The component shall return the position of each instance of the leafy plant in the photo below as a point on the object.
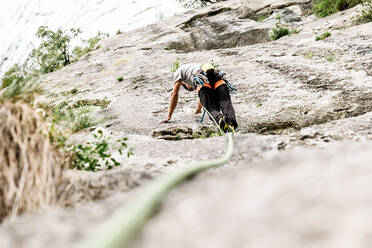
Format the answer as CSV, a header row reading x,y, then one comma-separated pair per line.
x,y
279,18
309,55
323,36
56,137
22,90
323,8
54,50
366,12
90,45
78,118
15,74
294,31
83,121
262,17
97,155
120,79
279,32
331,57
176,65
206,132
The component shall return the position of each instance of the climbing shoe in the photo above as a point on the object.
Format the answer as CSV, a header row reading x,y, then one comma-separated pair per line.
x,y
222,123
229,129
225,127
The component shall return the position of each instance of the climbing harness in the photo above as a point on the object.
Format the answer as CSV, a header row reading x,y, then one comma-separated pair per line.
x,y
119,230
201,79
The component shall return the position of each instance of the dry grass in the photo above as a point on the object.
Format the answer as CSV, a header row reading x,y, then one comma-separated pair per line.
x,y
30,167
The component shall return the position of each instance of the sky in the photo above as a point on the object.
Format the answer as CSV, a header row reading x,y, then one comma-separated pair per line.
x,y
20,19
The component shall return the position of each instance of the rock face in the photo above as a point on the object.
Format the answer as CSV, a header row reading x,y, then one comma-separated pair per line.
x,y
300,170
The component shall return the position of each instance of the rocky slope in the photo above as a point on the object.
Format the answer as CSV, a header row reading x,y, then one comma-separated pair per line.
x,y
300,170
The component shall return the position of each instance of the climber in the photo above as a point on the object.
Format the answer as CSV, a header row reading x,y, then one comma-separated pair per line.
x,y
213,92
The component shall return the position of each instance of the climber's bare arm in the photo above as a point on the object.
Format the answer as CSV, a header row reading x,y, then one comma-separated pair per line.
x,y
173,101
198,109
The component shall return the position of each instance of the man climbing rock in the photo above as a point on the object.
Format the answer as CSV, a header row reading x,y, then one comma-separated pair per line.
x,y
213,91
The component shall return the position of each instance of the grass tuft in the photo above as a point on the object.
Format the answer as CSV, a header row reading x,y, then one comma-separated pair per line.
x,y
323,36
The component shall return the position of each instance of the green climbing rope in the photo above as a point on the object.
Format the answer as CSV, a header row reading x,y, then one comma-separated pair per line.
x,y
123,225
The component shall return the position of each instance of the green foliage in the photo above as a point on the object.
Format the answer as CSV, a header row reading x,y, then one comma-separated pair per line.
x,y
77,118
90,45
309,55
279,32
279,18
120,79
196,3
83,121
56,137
54,50
294,31
323,36
19,85
15,74
176,65
21,90
97,155
323,8
331,57
206,132
262,17
366,12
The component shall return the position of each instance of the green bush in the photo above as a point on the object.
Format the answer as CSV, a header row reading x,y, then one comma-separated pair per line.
x,y
279,32
97,155
15,74
78,118
294,31
54,52
83,121
262,17
176,65
120,79
366,12
323,8
90,45
22,90
323,36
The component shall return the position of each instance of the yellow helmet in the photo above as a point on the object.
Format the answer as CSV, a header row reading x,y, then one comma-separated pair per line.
x,y
207,66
